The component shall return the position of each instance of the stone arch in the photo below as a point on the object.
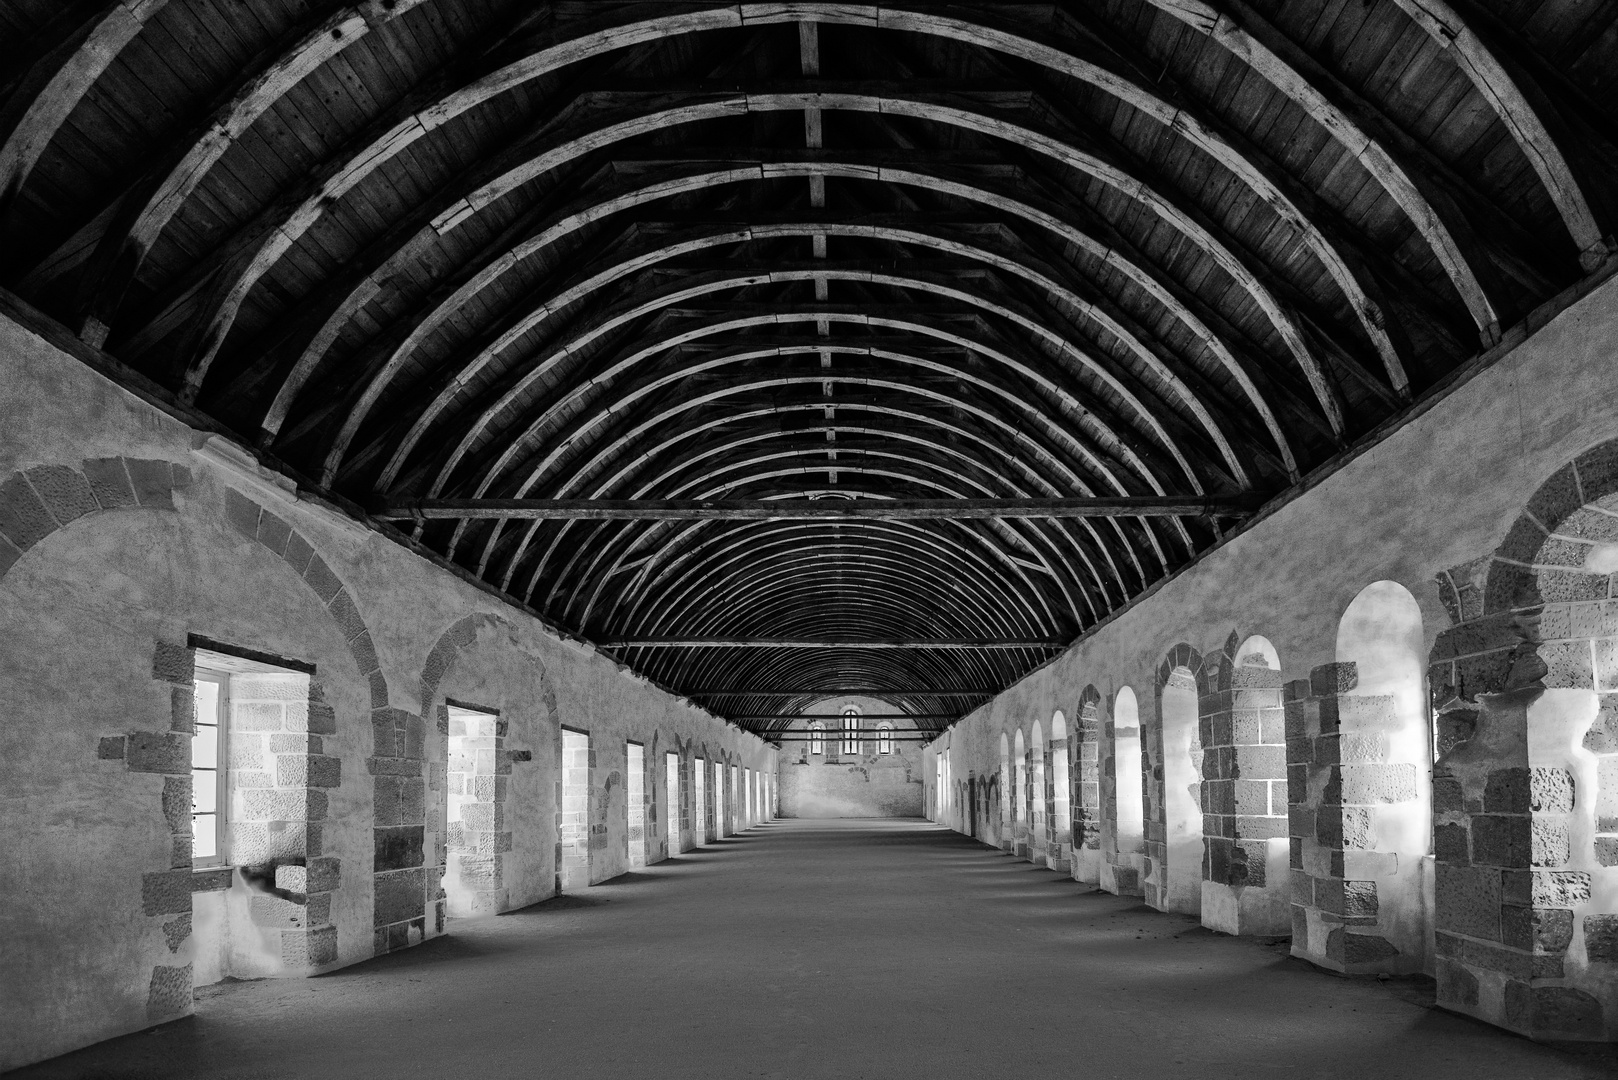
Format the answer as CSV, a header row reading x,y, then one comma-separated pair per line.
x,y
1524,691
35,502
1359,755
470,852
1173,747
1245,827
1123,778
1061,788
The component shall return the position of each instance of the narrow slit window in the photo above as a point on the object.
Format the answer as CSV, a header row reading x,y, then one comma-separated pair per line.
x,y
817,738
207,778
884,738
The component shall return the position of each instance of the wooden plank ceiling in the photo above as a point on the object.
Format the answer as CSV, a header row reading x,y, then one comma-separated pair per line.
x,y
491,249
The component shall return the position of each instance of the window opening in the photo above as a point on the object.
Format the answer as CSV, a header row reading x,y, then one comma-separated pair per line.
x,y
851,731
672,769
635,793
884,738
575,868
207,778
699,827
718,798
817,737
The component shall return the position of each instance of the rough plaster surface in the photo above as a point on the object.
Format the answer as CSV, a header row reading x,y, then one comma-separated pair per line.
x,y
82,613
829,949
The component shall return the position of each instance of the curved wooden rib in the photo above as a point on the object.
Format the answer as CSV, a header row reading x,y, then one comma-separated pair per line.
x,y
1446,27
152,202
45,98
1031,453
1106,253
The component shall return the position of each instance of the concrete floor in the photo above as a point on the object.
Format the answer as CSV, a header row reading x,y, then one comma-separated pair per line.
x,y
828,949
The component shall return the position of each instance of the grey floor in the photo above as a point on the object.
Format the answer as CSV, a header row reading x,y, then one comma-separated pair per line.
x,y
829,949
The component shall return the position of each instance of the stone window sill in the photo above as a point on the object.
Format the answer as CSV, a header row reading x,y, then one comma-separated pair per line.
x,y
211,878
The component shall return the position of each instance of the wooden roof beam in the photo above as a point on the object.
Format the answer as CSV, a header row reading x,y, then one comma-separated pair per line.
x,y
1234,507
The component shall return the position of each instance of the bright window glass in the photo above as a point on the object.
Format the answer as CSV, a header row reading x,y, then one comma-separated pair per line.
x,y
205,772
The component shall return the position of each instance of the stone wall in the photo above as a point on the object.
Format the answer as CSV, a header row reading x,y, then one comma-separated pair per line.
x,y
1478,536
838,785
127,539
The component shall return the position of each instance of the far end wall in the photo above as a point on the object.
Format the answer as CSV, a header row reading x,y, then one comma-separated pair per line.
x,y
834,784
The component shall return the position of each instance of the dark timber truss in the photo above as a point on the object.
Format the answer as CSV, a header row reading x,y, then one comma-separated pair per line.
x,y
496,268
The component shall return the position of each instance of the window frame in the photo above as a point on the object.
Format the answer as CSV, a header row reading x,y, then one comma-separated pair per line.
x,y
850,735
884,738
220,770
817,738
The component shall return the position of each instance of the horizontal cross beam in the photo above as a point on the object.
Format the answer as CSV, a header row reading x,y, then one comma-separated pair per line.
x,y
813,510
835,692
774,643
834,716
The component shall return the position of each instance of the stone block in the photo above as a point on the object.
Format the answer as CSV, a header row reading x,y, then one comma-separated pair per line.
x,y
1446,795
1607,850
1359,785
309,948
109,482
1568,664
393,766
174,663
323,874
169,993
400,895
397,847
1450,844
1260,762
111,748
295,743
24,519
1363,948
312,770
65,492
283,804
1468,901
320,718
298,552
1359,899
1600,938
364,651
177,803
1456,985
1571,586
1260,828
1560,888
320,578
482,873
166,892
1329,679
347,618
1300,820
158,752
153,482
1483,674
273,533
1551,843
1547,1010
1501,840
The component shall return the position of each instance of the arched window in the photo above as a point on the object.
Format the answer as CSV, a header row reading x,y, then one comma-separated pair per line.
x,y
851,730
817,737
884,738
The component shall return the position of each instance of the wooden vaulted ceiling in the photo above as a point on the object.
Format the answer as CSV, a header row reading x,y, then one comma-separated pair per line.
x,y
594,250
